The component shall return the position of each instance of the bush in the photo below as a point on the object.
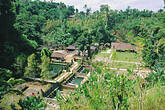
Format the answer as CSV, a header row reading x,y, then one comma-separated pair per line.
x,y
13,81
152,98
154,77
31,103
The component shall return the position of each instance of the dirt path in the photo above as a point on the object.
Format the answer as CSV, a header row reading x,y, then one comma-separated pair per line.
x,y
133,70
108,60
126,62
141,73
109,51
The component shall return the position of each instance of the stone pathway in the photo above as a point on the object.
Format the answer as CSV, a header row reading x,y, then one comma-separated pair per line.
x,y
126,62
62,77
110,56
133,70
109,51
67,74
141,73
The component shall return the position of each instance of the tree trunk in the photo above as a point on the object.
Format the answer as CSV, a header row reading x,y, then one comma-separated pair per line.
x,y
89,52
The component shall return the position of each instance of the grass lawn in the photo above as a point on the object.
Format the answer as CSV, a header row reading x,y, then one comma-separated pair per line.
x,y
126,56
122,65
103,54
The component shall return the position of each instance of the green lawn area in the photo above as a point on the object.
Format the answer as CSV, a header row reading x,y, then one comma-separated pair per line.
x,y
126,56
103,54
122,65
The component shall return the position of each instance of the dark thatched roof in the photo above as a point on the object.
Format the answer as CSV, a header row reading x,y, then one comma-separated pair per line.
x,y
59,54
122,46
71,47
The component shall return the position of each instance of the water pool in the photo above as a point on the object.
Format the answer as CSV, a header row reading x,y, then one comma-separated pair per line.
x,y
77,80
56,68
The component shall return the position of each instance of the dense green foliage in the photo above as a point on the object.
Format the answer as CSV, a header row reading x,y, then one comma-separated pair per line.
x,y
111,91
45,67
12,43
25,25
31,103
33,15
35,23
46,51
4,75
7,82
19,65
32,69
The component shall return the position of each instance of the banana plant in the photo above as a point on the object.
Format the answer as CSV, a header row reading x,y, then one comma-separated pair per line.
x,y
32,103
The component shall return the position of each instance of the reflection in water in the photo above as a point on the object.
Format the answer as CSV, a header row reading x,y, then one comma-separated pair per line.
x,y
74,81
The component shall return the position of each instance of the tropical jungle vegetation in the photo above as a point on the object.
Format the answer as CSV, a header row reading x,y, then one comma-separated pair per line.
x,y
26,25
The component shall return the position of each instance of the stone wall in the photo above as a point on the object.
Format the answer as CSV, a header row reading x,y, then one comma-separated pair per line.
x,y
51,89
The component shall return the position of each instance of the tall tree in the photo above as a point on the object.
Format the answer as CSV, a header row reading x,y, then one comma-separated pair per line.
x,y
32,69
45,67
105,9
7,33
153,53
84,42
12,42
87,10
19,65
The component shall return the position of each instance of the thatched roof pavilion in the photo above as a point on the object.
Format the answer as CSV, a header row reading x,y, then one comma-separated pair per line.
x,y
122,46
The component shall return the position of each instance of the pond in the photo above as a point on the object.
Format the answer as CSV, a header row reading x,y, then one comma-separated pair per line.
x,y
56,68
76,81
